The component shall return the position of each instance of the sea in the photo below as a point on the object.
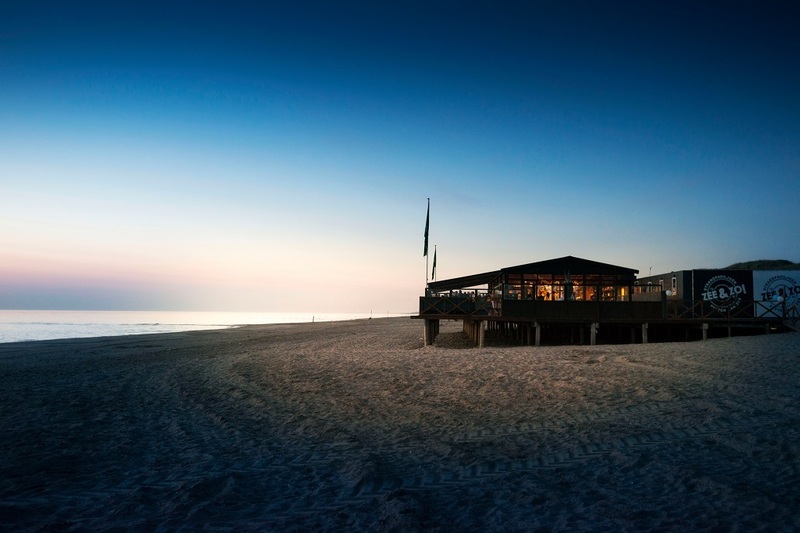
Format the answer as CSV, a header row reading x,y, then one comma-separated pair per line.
x,y
17,326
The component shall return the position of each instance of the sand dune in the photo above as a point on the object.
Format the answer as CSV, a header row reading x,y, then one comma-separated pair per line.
x,y
357,426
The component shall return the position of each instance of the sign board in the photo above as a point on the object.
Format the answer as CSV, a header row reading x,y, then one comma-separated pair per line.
x,y
724,290
776,286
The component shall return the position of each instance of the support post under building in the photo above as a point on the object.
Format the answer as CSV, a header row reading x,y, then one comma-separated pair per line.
x,y
430,330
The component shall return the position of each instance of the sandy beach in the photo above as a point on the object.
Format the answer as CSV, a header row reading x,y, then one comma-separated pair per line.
x,y
358,426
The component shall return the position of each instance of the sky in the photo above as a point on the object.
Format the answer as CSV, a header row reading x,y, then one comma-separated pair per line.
x,y
278,156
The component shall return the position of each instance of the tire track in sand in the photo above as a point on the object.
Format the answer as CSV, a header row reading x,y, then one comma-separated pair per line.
x,y
565,458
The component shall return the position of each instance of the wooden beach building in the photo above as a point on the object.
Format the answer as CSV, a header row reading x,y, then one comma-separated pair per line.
x,y
569,300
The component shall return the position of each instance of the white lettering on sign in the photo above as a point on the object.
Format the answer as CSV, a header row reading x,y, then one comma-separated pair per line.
x,y
723,292
781,286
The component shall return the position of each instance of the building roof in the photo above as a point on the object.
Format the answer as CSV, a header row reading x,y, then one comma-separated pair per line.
x,y
573,265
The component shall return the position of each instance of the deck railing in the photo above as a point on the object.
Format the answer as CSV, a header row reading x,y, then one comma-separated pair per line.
x,y
477,303
459,304
746,310
466,305
791,317
583,311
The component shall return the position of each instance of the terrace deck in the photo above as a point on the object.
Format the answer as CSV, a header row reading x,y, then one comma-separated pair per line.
x,y
526,320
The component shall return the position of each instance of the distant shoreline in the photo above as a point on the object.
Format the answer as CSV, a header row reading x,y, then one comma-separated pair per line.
x,y
27,325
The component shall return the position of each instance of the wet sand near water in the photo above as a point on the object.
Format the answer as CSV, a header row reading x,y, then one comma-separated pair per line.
x,y
358,426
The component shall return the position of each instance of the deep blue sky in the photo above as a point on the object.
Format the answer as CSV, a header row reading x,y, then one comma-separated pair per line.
x,y
278,156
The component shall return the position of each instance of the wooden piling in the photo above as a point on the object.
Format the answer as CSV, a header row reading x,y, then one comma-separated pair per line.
x,y
429,331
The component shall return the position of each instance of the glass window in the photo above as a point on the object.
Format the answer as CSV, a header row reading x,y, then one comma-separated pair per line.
x,y
577,291
558,291
609,293
591,293
528,290
544,292
512,292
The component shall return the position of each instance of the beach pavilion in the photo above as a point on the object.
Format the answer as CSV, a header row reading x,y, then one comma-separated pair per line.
x,y
565,298
569,300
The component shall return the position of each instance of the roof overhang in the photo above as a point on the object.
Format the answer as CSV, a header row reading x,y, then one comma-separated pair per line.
x,y
463,282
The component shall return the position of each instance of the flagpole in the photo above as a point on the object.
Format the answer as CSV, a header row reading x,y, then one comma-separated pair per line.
x,y
427,226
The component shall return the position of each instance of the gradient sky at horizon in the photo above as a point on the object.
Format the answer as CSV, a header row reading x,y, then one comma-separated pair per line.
x,y
272,156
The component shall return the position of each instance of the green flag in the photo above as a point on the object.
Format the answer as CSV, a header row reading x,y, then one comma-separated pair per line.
x,y
427,224
433,273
